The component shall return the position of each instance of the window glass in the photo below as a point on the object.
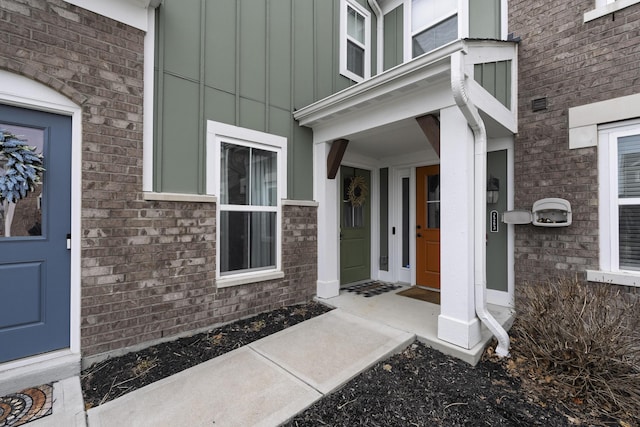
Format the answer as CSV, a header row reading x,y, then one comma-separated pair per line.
x,y
433,201
405,222
427,12
436,36
355,59
629,166
355,25
248,217
247,240
629,237
23,218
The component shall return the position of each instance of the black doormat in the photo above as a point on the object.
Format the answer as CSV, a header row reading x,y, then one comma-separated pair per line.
x,y
27,405
370,289
422,294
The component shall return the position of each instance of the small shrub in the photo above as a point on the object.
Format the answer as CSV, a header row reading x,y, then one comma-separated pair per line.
x,y
585,340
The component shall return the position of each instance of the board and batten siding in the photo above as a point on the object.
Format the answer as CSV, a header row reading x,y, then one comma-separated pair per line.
x,y
393,37
248,63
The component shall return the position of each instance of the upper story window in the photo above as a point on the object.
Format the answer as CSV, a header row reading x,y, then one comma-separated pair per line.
x,y
605,7
434,23
355,41
619,169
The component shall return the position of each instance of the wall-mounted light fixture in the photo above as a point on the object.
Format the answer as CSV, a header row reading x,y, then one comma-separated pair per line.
x,y
493,190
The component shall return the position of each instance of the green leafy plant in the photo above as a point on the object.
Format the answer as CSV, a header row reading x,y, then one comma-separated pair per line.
x,y
20,168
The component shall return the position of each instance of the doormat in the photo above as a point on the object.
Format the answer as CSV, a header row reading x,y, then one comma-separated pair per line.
x,y
371,289
25,406
422,294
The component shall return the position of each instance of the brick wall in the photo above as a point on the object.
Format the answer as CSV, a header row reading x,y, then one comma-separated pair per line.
x,y
148,268
570,63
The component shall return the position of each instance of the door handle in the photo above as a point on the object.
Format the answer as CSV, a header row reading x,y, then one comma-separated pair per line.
x,y
418,235
68,241
418,227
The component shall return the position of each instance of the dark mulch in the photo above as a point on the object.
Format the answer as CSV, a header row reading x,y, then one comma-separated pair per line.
x,y
423,387
112,378
418,387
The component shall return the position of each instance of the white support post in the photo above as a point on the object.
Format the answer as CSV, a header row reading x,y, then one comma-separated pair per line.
x,y
457,322
325,192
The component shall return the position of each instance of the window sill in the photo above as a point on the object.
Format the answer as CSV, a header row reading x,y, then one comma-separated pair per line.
x,y
614,277
179,197
243,279
610,8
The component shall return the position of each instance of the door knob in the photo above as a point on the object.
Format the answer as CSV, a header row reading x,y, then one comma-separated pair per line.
x,y
418,227
418,235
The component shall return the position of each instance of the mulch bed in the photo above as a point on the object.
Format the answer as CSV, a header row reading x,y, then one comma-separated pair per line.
x,y
417,387
117,376
423,387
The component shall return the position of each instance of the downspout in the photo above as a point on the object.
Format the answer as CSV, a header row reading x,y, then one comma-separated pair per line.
x,y
379,34
476,123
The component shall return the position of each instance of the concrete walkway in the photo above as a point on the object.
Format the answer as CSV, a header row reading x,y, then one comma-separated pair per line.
x,y
262,384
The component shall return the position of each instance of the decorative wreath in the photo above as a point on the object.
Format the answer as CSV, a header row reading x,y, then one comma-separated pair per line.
x,y
357,191
20,165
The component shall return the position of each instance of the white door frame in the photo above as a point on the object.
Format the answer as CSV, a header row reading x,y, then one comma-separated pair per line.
x,y
20,91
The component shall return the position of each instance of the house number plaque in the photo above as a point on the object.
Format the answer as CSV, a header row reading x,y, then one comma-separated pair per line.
x,y
494,221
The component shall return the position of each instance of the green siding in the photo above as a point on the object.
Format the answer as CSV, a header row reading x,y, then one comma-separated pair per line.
x,y
497,242
393,35
484,19
495,77
248,63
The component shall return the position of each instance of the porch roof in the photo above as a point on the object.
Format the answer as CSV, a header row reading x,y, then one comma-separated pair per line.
x,y
414,88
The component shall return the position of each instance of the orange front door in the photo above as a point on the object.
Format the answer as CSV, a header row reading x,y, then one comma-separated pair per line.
x,y
428,226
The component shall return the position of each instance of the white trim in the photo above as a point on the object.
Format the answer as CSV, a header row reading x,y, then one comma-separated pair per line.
x,y
605,7
344,37
245,278
130,12
624,278
179,197
584,119
608,203
21,91
148,103
217,133
305,203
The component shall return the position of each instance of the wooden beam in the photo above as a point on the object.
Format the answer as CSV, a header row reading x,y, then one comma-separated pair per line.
x,y
338,147
430,126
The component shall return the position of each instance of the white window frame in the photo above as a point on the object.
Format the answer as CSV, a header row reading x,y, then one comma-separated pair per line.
x,y
461,11
217,133
344,38
605,7
610,271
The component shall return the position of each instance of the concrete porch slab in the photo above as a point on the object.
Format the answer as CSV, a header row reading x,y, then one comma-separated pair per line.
x,y
416,317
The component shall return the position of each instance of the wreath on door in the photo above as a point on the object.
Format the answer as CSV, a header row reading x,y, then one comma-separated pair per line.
x,y
357,191
20,168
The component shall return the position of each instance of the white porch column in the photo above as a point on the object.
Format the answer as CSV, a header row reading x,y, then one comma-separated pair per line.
x,y
457,322
325,192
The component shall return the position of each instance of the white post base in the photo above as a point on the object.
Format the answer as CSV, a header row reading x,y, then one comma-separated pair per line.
x,y
328,289
457,332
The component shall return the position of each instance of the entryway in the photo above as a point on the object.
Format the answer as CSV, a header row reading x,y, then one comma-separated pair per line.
x,y
355,225
35,260
428,226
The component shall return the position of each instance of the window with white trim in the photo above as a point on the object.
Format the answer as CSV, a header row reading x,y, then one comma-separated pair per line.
x,y
619,169
605,7
246,169
434,23
355,41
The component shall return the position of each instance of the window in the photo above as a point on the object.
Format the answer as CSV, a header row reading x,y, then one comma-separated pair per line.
x,y
434,23
619,169
355,48
246,169
605,7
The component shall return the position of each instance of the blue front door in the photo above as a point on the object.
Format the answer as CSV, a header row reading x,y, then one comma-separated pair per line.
x,y
34,257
